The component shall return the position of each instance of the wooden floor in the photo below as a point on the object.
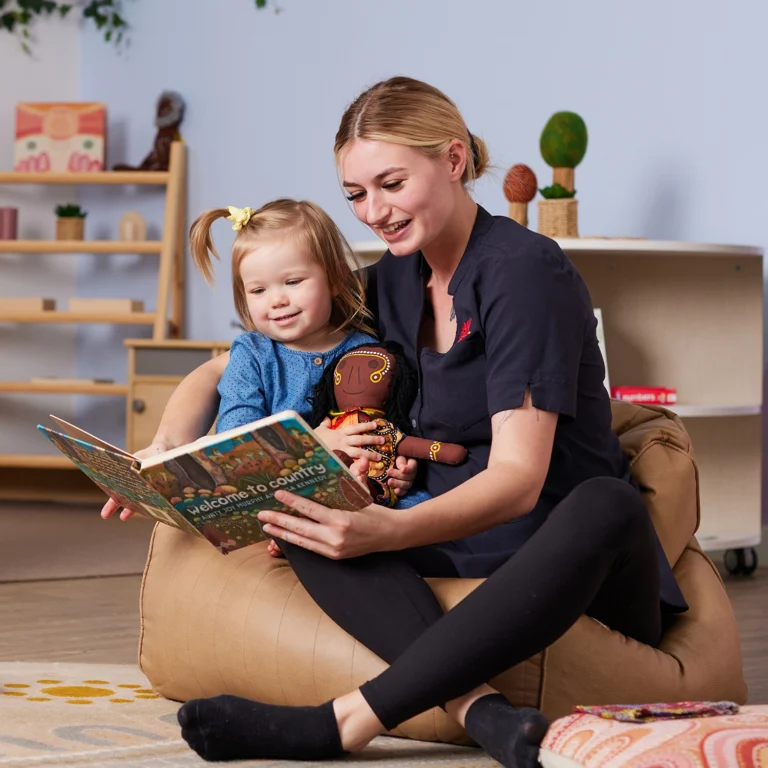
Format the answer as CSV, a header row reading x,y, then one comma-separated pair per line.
x,y
97,620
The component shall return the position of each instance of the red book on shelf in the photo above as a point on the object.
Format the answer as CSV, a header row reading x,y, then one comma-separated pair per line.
x,y
649,395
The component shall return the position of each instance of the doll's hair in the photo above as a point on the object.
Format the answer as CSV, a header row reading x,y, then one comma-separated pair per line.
x,y
402,110
323,240
401,394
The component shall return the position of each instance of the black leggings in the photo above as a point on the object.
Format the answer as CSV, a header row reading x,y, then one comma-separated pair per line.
x,y
595,554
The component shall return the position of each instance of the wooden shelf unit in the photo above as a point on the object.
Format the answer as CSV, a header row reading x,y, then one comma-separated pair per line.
x,y
689,316
154,178
81,246
64,388
19,478
52,316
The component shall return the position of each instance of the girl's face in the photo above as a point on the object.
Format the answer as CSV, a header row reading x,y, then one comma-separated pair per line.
x,y
405,197
288,295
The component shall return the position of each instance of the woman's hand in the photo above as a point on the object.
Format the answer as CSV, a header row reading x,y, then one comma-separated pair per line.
x,y
333,533
351,439
359,469
112,506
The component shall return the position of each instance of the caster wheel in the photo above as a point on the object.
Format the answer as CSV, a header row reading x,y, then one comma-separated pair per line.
x,y
740,562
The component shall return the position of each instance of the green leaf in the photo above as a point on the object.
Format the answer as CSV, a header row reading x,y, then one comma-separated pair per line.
x,y
108,35
49,7
557,192
261,3
118,21
26,49
64,10
8,21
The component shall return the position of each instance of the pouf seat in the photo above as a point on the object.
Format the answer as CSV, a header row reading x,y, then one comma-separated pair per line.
x,y
242,623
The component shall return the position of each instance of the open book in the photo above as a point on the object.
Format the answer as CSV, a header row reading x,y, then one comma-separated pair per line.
x,y
216,486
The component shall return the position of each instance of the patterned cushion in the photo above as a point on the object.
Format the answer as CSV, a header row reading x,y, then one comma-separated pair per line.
x,y
586,741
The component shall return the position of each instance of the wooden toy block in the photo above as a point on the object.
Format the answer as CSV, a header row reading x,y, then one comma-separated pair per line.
x,y
31,304
106,305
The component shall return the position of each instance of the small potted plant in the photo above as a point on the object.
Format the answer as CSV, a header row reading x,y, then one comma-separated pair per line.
x,y
70,224
563,146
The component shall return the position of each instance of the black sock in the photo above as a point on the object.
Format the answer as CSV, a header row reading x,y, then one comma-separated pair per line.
x,y
231,728
510,735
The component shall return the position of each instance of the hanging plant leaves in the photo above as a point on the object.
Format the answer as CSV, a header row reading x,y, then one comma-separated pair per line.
x,y
17,15
103,14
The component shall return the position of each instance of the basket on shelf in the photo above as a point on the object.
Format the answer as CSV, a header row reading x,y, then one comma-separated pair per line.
x,y
559,218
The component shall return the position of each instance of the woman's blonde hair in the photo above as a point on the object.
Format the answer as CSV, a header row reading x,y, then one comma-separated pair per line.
x,y
323,240
402,110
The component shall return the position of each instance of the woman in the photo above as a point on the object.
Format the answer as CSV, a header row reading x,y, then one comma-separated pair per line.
x,y
500,328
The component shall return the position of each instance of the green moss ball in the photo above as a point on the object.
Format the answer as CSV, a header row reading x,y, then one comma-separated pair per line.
x,y
564,140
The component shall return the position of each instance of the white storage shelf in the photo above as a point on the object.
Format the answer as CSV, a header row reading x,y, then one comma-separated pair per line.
x,y
688,316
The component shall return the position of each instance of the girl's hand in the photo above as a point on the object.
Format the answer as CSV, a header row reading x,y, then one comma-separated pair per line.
x,y
333,533
351,439
402,475
273,548
113,506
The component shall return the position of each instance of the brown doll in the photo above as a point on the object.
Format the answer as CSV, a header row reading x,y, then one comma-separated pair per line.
x,y
374,383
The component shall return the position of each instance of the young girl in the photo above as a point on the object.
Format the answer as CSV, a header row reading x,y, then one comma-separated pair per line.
x,y
297,297
301,304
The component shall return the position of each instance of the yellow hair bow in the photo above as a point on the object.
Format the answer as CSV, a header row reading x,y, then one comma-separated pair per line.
x,y
239,216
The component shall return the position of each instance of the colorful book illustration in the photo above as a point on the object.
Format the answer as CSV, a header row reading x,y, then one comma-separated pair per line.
x,y
216,486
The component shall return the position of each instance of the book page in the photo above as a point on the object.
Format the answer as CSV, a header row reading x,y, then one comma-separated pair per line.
x,y
207,440
81,434
113,473
220,486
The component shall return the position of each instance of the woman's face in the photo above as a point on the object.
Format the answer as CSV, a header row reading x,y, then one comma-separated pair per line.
x,y
405,197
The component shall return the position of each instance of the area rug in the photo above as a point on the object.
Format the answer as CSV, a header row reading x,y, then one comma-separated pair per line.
x,y
107,716
61,541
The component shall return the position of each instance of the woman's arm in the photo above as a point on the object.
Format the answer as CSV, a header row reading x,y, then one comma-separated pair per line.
x,y
521,449
520,454
191,409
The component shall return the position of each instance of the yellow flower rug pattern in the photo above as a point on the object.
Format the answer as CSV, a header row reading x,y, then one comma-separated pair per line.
x,y
106,715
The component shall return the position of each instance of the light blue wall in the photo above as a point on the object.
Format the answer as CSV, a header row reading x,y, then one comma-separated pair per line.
x,y
672,92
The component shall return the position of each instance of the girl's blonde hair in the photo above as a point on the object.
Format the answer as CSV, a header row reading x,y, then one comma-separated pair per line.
x,y
402,110
323,240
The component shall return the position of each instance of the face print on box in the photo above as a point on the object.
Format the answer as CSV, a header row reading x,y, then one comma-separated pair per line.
x,y
60,137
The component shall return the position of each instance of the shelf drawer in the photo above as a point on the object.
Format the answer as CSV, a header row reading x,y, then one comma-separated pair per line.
x,y
168,362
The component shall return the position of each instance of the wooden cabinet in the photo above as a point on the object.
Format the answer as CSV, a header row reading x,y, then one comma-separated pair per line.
x,y
155,369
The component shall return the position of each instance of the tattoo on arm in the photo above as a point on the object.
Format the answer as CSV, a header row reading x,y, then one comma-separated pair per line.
x,y
504,418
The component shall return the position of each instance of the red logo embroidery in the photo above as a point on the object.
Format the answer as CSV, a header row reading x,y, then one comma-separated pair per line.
x,y
465,329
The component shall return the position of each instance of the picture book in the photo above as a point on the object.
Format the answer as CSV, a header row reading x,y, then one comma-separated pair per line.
x,y
216,486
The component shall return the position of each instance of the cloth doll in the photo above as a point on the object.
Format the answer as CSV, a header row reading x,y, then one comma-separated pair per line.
x,y
374,383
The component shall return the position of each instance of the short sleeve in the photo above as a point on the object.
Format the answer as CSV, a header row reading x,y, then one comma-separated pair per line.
x,y
533,316
241,388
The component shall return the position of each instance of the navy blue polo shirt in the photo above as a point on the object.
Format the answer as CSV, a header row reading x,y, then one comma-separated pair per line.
x,y
524,321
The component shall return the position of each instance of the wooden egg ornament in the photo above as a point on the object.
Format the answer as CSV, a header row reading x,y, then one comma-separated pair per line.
x,y
520,186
